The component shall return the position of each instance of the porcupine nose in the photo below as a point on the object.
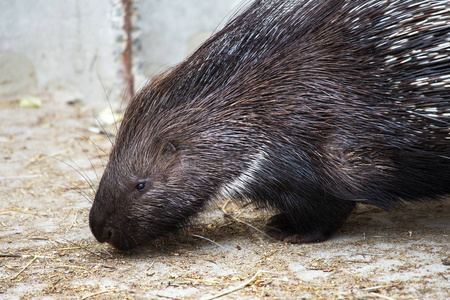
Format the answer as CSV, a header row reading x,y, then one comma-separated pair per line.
x,y
102,234
100,230
99,225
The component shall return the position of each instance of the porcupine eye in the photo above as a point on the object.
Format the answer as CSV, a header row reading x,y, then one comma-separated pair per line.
x,y
140,186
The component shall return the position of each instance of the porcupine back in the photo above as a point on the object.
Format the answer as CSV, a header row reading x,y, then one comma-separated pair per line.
x,y
409,41
405,46
381,70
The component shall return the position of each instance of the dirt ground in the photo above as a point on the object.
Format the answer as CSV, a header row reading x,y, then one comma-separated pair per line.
x,y
48,252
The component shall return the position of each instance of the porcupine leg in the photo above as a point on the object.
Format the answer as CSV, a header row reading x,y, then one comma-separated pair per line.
x,y
308,221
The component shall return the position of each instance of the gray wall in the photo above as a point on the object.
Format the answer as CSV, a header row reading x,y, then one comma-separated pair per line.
x,y
66,48
170,30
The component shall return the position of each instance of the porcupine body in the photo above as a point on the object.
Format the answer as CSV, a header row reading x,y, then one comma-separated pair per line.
x,y
307,107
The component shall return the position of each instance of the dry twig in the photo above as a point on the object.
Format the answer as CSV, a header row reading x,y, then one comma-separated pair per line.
x,y
381,296
209,240
97,293
23,269
241,286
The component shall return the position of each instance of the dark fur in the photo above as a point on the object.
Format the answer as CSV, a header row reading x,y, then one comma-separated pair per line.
x,y
299,100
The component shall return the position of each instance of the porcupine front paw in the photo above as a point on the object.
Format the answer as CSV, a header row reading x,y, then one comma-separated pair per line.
x,y
309,227
279,228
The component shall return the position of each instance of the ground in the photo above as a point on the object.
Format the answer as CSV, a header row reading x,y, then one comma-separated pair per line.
x,y
48,251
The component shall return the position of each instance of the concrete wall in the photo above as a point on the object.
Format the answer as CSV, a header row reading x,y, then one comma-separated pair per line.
x,y
52,44
71,46
170,30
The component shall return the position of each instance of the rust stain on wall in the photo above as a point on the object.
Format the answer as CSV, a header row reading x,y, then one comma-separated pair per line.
x,y
127,54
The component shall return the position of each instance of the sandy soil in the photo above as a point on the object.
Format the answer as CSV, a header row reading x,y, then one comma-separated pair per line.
x,y
48,252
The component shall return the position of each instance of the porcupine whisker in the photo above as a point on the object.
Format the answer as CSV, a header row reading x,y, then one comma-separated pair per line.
x,y
79,171
88,158
110,106
98,149
82,193
106,133
79,190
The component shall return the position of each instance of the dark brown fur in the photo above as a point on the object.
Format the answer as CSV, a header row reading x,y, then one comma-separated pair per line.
x,y
306,107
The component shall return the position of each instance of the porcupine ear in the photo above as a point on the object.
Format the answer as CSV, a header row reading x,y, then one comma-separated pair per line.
x,y
167,157
166,147
170,148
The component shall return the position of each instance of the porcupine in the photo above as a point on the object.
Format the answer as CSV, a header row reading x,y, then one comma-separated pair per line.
x,y
305,107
